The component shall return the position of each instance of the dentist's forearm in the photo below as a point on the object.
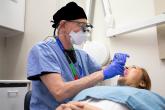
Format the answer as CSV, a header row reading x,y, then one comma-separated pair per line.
x,y
73,87
62,90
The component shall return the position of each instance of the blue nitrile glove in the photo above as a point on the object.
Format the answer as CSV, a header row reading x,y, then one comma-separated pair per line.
x,y
112,70
120,58
116,67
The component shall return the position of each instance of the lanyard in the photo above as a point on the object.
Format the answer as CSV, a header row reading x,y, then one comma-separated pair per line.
x,y
71,65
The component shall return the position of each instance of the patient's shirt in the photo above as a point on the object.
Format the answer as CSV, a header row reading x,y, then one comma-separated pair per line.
x,y
105,104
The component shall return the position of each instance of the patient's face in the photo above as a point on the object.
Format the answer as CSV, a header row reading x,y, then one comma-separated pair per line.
x,y
132,76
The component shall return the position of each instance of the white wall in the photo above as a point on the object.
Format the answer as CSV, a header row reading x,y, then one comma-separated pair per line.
x,y
142,45
79,2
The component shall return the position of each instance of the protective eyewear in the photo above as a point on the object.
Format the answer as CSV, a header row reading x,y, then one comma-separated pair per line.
x,y
86,27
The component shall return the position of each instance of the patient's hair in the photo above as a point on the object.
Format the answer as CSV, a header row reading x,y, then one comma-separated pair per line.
x,y
146,79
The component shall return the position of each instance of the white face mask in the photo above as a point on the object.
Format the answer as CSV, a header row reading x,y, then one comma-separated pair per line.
x,y
78,37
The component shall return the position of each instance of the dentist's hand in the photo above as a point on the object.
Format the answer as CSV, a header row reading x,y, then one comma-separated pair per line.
x,y
120,58
112,70
116,67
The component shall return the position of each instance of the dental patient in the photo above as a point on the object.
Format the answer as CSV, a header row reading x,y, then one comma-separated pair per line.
x,y
135,76
131,93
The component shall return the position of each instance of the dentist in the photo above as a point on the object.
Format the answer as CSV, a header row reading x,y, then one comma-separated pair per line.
x,y
57,70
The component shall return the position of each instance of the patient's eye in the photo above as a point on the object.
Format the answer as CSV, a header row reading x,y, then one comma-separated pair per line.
x,y
133,66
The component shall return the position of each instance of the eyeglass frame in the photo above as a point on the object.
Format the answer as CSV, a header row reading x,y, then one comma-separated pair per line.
x,y
84,25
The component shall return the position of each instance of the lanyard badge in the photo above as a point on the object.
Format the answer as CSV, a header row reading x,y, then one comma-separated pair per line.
x,y
71,65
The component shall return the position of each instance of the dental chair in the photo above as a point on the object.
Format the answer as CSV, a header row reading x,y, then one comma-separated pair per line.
x,y
27,101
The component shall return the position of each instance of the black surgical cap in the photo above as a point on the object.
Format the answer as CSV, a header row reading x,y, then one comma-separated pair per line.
x,y
69,12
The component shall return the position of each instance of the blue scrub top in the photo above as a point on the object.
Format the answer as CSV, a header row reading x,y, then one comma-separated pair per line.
x,y
46,56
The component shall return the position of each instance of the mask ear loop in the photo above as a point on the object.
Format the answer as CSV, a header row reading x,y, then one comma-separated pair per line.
x,y
54,32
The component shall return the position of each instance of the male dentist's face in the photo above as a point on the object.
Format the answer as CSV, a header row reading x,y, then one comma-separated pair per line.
x,y
132,77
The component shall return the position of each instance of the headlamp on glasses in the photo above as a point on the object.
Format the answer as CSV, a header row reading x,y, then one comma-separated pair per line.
x,y
87,27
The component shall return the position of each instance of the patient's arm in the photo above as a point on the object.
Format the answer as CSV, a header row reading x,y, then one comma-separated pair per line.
x,y
71,106
77,106
90,107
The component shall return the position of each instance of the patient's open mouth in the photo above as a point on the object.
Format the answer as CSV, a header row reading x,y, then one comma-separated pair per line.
x,y
125,72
